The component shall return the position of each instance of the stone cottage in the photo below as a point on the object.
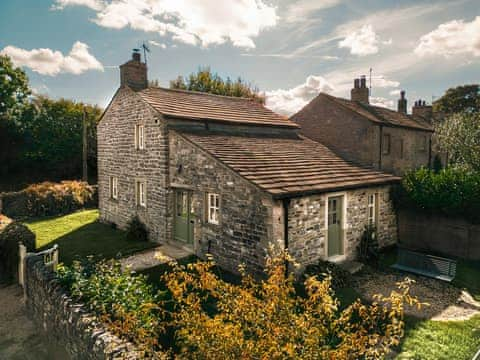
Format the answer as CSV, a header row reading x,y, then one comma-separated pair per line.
x,y
391,141
227,176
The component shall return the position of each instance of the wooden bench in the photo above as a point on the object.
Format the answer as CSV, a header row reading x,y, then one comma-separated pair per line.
x,y
426,265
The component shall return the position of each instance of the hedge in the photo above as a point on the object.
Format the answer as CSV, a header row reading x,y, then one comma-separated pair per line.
x,y
451,192
10,236
47,199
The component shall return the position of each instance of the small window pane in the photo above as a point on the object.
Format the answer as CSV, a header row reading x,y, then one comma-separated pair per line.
x,y
213,208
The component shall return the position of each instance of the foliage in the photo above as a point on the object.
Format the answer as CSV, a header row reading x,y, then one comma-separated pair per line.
x,y
206,81
459,136
368,249
48,198
136,230
460,99
14,89
125,302
80,234
451,192
11,235
266,319
340,278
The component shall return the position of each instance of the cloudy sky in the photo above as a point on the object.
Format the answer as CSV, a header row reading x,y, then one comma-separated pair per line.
x,y
291,49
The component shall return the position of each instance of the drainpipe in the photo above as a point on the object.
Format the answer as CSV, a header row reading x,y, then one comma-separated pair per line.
x,y
380,149
286,205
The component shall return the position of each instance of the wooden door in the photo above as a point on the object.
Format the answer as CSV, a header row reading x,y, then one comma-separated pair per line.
x,y
183,228
335,226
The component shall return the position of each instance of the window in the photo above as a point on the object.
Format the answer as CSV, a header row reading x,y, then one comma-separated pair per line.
x,y
213,208
372,209
139,137
141,193
386,144
113,187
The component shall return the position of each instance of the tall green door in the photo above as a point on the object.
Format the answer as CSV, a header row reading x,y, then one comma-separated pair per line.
x,y
183,228
335,226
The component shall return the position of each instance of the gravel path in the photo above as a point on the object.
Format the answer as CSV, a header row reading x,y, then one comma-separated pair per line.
x,y
446,301
19,338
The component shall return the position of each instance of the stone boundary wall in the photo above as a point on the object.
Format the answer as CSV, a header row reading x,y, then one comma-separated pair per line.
x,y
66,322
439,235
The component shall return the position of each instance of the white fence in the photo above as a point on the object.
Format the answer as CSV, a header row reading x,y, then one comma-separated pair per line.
x,y
50,258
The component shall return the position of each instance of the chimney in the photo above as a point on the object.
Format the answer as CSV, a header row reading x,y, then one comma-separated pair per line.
x,y
420,108
134,73
360,91
402,103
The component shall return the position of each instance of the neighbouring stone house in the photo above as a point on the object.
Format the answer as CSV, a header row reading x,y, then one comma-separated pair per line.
x,y
226,176
388,140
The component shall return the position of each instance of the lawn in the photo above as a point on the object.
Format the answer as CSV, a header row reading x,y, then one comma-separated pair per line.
x,y
80,234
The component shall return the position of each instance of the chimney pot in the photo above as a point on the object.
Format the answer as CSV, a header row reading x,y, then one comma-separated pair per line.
x,y
402,103
134,73
363,81
423,110
360,91
356,83
136,56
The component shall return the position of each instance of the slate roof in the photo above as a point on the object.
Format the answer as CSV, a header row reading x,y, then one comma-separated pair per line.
x,y
383,115
287,166
201,106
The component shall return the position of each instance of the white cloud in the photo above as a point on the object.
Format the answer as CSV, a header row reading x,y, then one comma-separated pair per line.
x,y
302,9
395,92
48,62
361,42
382,102
155,43
92,4
452,38
206,22
289,101
382,82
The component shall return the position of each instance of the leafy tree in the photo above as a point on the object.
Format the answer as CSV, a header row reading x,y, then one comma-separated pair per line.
x,y
459,137
464,98
206,81
14,89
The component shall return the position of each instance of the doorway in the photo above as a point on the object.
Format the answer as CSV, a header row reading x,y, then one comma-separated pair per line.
x,y
184,218
335,226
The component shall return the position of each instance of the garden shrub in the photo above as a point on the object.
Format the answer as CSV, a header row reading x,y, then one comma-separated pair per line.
x,y
451,192
368,249
10,237
340,277
47,199
136,230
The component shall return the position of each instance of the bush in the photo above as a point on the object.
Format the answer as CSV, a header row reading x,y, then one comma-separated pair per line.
x,y
368,248
47,199
11,235
125,302
340,277
136,230
451,192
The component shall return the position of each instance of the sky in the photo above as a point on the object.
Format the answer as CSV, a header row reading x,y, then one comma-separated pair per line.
x,y
290,49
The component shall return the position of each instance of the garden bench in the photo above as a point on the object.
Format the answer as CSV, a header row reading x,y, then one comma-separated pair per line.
x,y
426,265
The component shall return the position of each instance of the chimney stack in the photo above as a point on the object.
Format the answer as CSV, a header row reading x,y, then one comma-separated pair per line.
x,y
420,108
360,91
402,103
134,73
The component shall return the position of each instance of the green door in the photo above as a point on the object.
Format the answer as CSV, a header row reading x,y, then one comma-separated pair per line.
x,y
335,226
183,231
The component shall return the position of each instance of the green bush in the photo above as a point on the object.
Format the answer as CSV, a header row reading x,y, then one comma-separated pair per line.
x,y
11,235
340,277
136,230
125,302
47,199
451,192
368,248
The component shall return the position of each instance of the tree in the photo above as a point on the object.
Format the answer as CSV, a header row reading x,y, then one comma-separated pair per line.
x,y
268,320
206,81
465,98
459,137
14,89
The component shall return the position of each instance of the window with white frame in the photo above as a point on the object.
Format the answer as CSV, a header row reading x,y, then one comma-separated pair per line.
x,y
141,193
113,187
372,209
213,208
139,137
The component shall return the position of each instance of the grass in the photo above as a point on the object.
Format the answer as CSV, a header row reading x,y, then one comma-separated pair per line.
x,y
80,234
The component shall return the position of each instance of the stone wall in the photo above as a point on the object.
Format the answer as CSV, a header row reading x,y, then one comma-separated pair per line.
x,y
307,223
67,323
118,157
245,228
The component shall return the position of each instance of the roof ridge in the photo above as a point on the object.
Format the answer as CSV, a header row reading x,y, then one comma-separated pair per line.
x,y
202,93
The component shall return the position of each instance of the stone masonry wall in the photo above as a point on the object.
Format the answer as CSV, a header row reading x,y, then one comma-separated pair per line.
x,y
67,323
118,157
245,230
307,229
